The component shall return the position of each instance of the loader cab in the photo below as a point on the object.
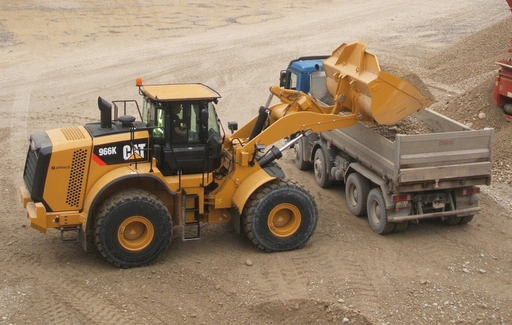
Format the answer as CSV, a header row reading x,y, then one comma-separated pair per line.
x,y
186,135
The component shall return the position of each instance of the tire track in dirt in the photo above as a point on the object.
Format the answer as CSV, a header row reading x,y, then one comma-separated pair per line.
x,y
14,220
67,298
49,310
67,293
20,111
281,278
313,272
339,273
362,294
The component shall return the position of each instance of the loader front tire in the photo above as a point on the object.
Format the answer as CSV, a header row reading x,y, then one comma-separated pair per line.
x,y
132,228
280,216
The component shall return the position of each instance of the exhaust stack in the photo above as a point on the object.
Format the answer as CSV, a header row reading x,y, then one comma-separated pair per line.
x,y
106,113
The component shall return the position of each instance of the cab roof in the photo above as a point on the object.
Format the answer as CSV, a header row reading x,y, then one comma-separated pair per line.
x,y
178,92
306,66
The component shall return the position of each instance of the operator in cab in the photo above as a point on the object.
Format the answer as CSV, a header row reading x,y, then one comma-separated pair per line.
x,y
179,132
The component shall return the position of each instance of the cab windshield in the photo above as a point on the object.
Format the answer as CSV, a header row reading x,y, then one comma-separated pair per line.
x,y
184,121
213,125
148,113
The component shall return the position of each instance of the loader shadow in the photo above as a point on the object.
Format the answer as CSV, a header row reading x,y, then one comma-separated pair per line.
x,y
214,237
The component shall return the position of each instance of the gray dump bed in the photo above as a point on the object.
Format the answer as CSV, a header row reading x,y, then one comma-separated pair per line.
x,y
454,155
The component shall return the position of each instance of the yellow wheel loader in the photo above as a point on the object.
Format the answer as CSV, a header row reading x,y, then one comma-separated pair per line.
x,y
123,184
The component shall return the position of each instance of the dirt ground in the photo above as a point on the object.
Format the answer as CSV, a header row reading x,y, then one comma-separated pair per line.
x,y
57,57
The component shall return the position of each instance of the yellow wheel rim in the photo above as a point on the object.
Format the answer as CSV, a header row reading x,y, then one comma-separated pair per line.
x,y
135,233
284,220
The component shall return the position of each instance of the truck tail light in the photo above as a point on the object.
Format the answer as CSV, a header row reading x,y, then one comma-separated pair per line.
x,y
403,197
471,191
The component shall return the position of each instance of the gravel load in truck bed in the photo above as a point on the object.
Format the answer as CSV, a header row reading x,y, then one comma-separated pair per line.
x,y
408,126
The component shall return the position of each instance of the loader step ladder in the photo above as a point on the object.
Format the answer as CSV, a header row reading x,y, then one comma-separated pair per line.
x,y
70,238
191,230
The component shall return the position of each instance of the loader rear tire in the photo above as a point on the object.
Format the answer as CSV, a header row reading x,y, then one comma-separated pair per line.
x,y
377,213
132,228
322,168
280,216
298,148
357,188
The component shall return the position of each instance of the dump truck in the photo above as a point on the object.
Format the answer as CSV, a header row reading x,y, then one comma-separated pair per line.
x,y
123,184
392,182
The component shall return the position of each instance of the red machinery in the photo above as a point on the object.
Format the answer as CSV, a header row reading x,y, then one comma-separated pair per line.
x,y
503,87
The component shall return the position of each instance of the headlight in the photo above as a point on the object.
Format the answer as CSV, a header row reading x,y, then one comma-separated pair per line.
x,y
33,148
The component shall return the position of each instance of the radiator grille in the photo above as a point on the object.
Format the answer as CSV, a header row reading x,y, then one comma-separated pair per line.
x,y
30,168
76,178
36,166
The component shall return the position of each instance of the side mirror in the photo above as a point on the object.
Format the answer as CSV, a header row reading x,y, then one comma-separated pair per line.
x,y
203,118
282,78
233,126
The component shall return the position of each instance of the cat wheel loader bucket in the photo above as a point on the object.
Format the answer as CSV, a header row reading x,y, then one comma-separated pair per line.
x,y
355,80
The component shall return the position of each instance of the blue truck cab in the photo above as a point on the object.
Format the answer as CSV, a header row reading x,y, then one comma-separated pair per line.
x,y
306,74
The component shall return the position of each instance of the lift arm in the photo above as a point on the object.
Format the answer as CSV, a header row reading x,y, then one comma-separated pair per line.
x,y
361,92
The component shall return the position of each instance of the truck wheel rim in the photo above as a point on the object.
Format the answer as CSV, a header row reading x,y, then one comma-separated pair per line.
x,y
135,233
374,212
353,195
297,151
284,220
318,168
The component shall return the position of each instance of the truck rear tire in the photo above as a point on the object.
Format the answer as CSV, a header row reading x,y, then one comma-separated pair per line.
x,y
377,213
450,221
466,219
401,226
322,168
280,216
357,188
298,148
132,228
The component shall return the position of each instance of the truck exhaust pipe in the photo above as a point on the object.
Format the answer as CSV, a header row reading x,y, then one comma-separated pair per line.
x,y
106,113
